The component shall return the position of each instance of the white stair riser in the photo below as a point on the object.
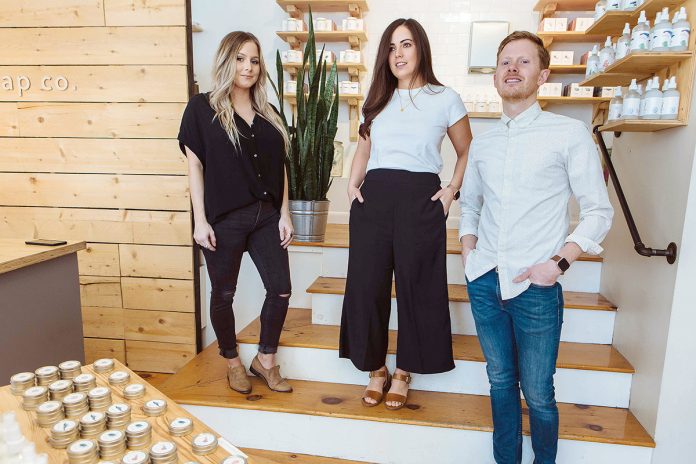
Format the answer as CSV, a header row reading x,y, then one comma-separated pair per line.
x,y
577,386
385,442
583,276
579,325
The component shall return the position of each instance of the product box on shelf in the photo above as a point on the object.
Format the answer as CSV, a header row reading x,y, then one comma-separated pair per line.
x,y
551,89
324,25
562,57
349,56
329,56
353,24
580,24
576,90
605,92
294,25
291,56
349,88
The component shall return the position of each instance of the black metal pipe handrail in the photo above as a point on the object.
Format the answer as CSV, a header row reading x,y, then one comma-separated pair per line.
x,y
671,252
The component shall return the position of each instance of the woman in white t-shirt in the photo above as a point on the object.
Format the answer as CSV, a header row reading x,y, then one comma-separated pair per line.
x,y
398,215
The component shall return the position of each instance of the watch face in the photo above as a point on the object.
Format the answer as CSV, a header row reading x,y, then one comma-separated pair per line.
x,y
563,264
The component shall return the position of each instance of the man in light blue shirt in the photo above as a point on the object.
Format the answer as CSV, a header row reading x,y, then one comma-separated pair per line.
x,y
515,243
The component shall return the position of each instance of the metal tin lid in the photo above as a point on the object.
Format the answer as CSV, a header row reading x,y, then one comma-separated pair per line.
x,y
35,392
163,449
65,426
119,377
69,365
135,457
22,378
134,390
103,365
93,417
84,378
111,437
180,426
155,407
60,385
118,410
138,428
74,399
46,371
81,448
234,459
49,407
204,443
99,392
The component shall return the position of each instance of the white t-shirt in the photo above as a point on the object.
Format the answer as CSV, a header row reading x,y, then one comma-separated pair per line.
x,y
411,139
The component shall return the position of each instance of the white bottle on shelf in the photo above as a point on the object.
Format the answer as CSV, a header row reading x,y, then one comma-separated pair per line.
x,y
653,101
593,62
607,55
613,5
623,45
599,9
643,101
662,33
670,100
640,36
616,106
681,30
631,102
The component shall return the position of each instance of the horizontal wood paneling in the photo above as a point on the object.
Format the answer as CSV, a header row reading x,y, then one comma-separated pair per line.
x,y
100,291
94,83
158,357
160,326
145,12
9,120
94,191
156,261
98,120
99,259
93,45
97,225
158,294
102,322
110,156
97,348
53,13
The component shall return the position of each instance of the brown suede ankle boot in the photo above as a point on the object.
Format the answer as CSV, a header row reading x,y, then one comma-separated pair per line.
x,y
238,380
271,376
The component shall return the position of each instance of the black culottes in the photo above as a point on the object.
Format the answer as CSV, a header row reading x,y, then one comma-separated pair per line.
x,y
398,231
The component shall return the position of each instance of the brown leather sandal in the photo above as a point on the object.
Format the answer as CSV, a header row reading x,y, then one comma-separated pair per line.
x,y
375,395
397,396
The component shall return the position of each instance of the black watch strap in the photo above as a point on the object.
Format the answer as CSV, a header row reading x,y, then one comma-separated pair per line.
x,y
563,263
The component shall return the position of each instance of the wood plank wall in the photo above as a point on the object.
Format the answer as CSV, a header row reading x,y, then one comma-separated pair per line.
x,y
91,95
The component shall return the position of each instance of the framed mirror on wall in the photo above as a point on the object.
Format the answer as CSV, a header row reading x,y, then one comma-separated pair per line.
x,y
483,46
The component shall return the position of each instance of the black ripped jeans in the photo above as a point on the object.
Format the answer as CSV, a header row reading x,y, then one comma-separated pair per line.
x,y
253,228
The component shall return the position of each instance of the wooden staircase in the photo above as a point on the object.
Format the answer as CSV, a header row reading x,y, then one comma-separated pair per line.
x,y
447,418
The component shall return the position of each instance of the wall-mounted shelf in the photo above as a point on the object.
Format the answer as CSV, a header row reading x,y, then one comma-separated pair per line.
x,y
353,69
640,65
569,36
549,7
484,115
641,125
352,100
295,39
296,8
612,22
592,100
568,68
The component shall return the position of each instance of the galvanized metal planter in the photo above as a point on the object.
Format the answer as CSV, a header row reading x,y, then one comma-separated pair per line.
x,y
309,219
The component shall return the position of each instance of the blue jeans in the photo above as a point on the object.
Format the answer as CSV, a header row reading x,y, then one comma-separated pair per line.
x,y
519,338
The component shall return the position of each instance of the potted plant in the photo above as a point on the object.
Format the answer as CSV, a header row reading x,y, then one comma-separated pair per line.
x,y
312,132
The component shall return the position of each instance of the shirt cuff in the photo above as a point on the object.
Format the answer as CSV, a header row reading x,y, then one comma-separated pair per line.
x,y
467,230
585,244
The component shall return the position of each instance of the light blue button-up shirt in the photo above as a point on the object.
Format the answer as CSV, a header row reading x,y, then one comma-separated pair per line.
x,y
517,184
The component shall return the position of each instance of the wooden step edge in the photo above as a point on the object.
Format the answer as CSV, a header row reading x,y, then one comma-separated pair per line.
x,y
458,294
337,237
203,382
283,457
299,332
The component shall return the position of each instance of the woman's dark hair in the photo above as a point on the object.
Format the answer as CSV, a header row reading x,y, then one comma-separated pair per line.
x,y
384,82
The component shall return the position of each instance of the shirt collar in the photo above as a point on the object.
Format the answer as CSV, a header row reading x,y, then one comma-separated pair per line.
x,y
524,118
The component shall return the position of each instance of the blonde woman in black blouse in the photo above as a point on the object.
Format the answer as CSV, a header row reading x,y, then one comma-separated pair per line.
x,y
236,144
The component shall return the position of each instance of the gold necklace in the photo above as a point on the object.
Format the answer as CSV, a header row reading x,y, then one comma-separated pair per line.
x,y
410,100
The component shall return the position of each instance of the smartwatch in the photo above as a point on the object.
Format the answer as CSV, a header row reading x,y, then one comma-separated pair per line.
x,y
563,263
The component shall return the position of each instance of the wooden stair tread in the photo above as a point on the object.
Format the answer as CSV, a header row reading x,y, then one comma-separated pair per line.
x,y
283,457
299,332
337,237
203,382
458,293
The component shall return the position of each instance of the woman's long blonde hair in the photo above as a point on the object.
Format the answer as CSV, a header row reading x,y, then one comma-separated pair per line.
x,y
224,71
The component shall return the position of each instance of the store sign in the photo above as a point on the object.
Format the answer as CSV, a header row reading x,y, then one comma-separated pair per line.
x,y
21,84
